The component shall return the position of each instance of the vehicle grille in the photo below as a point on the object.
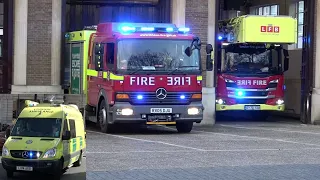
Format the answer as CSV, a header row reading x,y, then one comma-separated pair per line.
x,y
256,93
151,98
19,154
251,101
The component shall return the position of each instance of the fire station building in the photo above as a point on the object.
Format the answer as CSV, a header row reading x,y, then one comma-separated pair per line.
x,y
32,43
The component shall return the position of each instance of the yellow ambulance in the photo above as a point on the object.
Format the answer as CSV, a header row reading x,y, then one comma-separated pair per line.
x,y
46,138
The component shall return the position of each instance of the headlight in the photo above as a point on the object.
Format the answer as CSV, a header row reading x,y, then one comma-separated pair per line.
x,y
193,111
280,102
220,101
127,112
50,153
5,151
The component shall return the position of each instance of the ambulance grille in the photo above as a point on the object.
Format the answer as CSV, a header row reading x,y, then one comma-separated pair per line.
x,y
24,154
151,98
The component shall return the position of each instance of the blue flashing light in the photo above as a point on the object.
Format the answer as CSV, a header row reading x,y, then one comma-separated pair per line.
x,y
31,154
128,29
147,29
139,97
182,97
220,37
169,29
240,93
184,30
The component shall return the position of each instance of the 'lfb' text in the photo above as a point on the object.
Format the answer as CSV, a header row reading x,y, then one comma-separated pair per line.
x,y
151,81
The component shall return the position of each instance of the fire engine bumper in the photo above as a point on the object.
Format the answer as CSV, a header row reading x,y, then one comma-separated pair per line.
x,y
124,112
245,107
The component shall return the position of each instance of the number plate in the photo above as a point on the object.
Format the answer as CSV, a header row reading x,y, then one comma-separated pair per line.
x,y
24,168
252,108
161,110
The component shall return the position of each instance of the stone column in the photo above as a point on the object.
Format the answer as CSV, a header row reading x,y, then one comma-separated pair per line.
x,y
56,37
209,91
178,12
315,107
20,44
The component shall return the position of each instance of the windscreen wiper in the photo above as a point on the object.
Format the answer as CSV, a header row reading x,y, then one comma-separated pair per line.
x,y
173,71
135,71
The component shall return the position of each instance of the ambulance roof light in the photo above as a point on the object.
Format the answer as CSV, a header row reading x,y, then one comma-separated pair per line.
x,y
29,103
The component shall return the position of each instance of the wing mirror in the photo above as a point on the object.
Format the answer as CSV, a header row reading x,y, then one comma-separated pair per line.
x,y
286,60
66,136
209,61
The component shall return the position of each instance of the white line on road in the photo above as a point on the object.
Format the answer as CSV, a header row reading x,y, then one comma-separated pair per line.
x,y
254,137
217,150
149,141
280,130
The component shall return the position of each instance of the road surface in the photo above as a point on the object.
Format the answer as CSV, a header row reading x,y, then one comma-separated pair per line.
x,y
274,149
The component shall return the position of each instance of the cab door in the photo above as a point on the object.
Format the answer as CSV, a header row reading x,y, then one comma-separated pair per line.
x,y
66,144
73,141
95,72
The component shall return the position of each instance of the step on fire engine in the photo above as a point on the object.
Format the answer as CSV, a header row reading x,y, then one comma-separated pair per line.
x,y
147,73
250,63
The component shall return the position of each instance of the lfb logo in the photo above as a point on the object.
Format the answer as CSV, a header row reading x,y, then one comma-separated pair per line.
x,y
270,29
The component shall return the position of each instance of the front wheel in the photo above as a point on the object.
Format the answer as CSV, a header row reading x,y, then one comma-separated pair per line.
x,y
184,127
9,174
105,127
58,172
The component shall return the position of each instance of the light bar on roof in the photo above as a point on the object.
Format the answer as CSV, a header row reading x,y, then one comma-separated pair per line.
x,y
147,29
128,29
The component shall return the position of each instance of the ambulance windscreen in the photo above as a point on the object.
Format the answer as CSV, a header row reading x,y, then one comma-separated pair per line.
x,y
37,127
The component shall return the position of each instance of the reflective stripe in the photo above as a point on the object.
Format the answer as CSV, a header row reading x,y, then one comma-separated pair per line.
x,y
116,77
199,78
105,75
91,72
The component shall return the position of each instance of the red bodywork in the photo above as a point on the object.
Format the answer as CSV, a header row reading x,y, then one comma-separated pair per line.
x,y
146,83
249,83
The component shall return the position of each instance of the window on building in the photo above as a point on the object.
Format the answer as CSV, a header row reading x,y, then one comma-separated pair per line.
x,y
297,11
270,10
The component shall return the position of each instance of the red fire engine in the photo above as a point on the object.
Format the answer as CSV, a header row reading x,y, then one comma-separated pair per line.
x,y
250,63
146,73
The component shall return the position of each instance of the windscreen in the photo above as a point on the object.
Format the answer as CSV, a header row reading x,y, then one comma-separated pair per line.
x,y
37,127
156,55
251,60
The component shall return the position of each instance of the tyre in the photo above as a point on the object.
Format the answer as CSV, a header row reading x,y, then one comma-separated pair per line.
x,y
58,173
79,162
184,127
9,174
105,127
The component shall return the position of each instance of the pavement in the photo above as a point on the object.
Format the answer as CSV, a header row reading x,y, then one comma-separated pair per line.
x,y
232,149
74,173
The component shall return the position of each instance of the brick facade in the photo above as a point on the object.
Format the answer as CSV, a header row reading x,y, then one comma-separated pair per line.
x,y
197,20
39,42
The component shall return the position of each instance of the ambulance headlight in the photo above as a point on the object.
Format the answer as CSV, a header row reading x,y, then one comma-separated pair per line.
x,y
5,151
193,111
50,153
280,102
